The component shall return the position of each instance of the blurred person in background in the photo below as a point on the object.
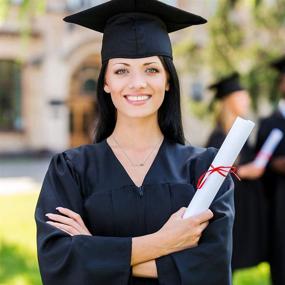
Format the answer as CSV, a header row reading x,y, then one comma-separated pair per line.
x,y
274,181
249,234
112,212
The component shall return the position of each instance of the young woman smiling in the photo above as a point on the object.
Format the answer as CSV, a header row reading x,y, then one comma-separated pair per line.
x,y
111,212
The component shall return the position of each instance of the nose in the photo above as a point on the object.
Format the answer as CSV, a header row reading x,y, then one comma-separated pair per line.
x,y
137,81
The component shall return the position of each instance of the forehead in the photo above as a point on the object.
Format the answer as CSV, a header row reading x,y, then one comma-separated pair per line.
x,y
135,61
240,93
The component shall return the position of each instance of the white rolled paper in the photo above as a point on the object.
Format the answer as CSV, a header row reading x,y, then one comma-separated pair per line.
x,y
268,148
226,156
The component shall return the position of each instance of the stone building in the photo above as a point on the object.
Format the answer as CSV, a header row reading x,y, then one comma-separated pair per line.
x,y
48,81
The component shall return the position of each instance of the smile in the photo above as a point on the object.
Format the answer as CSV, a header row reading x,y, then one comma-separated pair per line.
x,y
137,99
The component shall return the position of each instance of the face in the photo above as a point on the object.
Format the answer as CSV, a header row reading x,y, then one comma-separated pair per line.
x,y
136,86
238,102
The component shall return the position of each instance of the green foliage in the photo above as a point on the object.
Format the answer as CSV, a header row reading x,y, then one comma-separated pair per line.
x,y
251,42
3,9
18,266
18,240
27,9
225,37
259,275
243,36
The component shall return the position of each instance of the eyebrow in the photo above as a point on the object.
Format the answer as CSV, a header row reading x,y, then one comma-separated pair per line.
x,y
145,64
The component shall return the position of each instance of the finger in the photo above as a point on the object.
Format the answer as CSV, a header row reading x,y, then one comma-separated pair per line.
x,y
73,215
64,220
205,216
180,212
52,224
203,226
68,229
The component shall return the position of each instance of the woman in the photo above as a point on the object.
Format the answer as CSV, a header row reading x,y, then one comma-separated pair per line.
x,y
111,212
249,234
274,179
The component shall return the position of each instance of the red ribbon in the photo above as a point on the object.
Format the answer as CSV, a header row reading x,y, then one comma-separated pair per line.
x,y
222,170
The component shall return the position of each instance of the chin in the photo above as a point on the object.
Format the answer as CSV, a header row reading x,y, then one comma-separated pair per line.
x,y
140,114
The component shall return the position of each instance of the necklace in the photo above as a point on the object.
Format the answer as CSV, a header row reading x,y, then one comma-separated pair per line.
x,y
129,159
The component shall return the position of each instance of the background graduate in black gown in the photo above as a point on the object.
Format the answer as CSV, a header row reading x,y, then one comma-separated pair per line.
x,y
249,235
274,179
111,212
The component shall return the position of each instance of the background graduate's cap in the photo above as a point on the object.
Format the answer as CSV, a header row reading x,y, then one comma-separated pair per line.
x,y
135,28
226,85
279,64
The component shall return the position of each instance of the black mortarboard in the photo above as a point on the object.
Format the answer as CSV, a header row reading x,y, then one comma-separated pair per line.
x,y
135,28
279,64
227,85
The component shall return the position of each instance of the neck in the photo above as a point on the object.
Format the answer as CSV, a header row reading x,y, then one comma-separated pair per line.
x,y
281,107
138,133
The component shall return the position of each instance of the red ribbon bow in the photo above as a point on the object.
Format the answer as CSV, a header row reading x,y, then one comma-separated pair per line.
x,y
222,170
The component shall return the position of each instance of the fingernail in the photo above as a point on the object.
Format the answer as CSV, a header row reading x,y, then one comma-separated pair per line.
x,y
48,214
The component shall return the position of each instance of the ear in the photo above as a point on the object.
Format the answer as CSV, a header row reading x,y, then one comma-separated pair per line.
x,y
106,88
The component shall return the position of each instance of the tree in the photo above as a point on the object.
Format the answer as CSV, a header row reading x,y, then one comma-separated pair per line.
x,y
27,8
243,35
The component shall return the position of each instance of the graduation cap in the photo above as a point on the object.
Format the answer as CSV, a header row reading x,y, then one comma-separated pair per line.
x,y
279,64
226,85
135,28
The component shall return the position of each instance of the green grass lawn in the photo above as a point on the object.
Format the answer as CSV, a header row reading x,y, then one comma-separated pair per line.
x,y
17,240
18,263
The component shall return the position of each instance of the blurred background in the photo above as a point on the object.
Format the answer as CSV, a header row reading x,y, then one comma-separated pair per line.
x,y
48,73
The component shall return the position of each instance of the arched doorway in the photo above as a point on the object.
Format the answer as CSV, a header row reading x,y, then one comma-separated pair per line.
x,y
82,101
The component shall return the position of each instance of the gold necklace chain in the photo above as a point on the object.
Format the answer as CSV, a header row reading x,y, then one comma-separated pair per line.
x,y
129,159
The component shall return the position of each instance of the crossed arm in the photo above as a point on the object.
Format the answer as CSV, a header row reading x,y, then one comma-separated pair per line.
x,y
175,235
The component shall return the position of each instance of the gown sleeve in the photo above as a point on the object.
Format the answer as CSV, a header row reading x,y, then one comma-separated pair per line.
x,y
80,259
210,262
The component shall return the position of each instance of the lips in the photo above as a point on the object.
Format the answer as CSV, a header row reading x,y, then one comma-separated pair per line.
x,y
137,99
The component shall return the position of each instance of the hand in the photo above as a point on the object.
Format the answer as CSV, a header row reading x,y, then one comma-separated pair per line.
x,y
250,171
70,222
278,164
178,233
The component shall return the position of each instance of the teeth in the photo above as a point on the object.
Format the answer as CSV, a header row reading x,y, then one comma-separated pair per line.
x,y
137,98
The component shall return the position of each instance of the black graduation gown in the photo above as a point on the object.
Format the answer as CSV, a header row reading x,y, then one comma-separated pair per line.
x,y
91,181
250,225
275,190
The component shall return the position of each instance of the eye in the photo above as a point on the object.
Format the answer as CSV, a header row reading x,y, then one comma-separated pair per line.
x,y
121,71
152,70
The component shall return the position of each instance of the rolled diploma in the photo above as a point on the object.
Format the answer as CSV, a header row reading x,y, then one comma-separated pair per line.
x,y
226,156
268,148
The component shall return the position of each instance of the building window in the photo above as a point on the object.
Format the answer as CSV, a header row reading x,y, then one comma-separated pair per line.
x,y
10,96
89,87
87,77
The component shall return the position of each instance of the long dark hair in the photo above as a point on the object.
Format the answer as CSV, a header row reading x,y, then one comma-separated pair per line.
x,y
169,113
